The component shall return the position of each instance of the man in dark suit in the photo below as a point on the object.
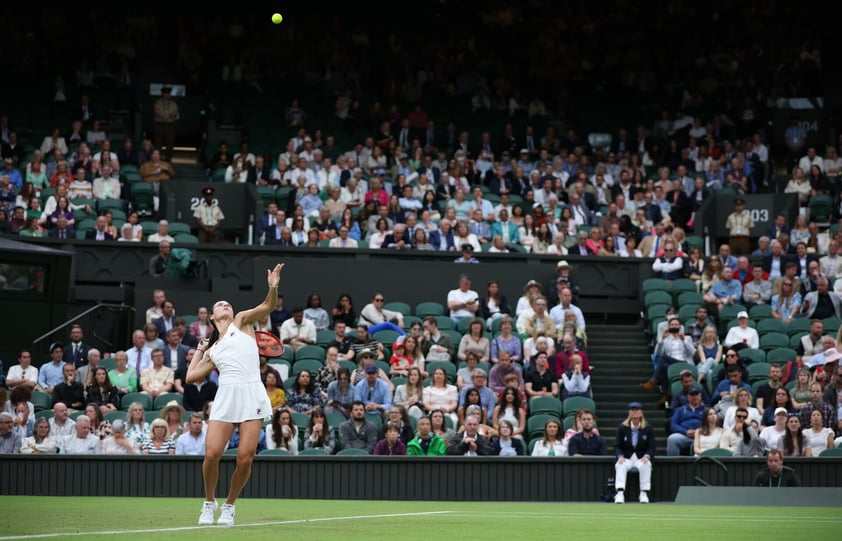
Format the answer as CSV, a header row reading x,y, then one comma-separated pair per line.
x,y
166,321
508,141
634,447
680,203
580,248
186,337
398,239
76,352
258,173
652,211
433,173
444,231
623,143
469,442
779,226
773,264
175,353
803,259
268,220
99,233
62,230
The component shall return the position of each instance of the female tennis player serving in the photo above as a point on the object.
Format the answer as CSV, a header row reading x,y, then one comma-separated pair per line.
x,y
241,398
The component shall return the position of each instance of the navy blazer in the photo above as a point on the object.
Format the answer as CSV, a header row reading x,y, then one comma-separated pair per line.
x,y
645,442
181,356
91,235
435,239
162,330
81,357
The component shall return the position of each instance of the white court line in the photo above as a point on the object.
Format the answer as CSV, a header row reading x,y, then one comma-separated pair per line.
x,y
252,525
655,518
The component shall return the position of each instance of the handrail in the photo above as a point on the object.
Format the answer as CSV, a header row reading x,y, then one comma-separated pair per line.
x,y
121,306
698,480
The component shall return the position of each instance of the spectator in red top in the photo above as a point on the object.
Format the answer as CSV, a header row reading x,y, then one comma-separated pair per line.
x,y
568,349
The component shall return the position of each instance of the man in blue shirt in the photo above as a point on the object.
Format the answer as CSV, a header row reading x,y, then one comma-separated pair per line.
x,y
685,421
373,392
51,373
726,291
192,442
487,397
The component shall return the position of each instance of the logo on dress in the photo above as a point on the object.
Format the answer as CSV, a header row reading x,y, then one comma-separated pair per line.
x,y
232,333
260,411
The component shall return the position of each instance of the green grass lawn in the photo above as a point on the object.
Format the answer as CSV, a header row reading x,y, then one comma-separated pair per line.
x,y
158,519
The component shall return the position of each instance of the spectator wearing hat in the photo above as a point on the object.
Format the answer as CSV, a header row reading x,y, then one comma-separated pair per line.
x,y
739,225
166,114
531,290
373,392
562,279
688,383
742,333
51,373
209,217
467,255
685,421
634,447
772,435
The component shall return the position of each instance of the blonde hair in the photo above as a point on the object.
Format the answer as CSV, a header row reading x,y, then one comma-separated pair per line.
x,y
159,423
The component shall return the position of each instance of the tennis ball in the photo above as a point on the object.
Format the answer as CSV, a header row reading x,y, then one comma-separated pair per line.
x,y
277,18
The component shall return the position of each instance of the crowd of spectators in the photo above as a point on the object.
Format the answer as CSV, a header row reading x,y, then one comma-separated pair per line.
x,y
504,356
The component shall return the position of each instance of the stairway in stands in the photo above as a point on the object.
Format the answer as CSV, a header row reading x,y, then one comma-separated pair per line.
x,y
190,170
620,355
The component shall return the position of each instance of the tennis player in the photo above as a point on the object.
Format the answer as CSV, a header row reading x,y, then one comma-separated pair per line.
x,y
241,398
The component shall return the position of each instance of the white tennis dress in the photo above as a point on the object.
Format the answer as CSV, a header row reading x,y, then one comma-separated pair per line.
x,y
241,395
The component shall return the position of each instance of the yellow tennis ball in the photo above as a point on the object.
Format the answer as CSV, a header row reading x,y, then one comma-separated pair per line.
x,y
277,18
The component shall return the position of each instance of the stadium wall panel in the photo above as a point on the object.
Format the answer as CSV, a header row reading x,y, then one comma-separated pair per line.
x,y
380,478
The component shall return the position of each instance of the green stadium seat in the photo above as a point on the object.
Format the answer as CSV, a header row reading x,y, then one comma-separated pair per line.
x,y
351,452
41,401
655,284
163,399
177,228
760,311
756,355
265,452
771,325
313,452
657,297
535,424
690,298
758,371
310,365
397,306
129,398
310,352
445,323
184,238
717,452
323,338
429,309
545,405
572,404
781,355
674,371
798,326
773,340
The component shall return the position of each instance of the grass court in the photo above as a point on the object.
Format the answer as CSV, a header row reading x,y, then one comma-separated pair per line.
x,y
158,519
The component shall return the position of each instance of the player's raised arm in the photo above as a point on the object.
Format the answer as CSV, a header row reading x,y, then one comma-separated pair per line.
x,y
247,317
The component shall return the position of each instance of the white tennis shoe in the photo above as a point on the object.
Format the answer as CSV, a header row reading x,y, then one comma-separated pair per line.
x,y
208,511
226,517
